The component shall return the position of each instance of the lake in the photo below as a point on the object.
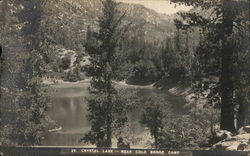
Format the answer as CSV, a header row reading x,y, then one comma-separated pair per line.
x,y
69,110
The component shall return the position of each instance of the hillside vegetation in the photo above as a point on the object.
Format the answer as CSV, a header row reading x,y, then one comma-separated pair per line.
x,y
65,25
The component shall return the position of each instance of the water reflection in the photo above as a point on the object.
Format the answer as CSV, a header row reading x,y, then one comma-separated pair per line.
x,y
69,109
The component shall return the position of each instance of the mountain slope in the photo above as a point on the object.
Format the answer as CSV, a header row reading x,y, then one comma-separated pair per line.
x,y
66,22
74,16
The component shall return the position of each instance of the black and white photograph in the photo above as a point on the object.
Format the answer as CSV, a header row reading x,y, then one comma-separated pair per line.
x,y
124,77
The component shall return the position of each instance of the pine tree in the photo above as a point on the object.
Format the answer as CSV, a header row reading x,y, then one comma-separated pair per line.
x,y
23,99
103,106
219,32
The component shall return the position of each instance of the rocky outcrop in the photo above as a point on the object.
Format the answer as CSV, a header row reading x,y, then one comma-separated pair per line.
x,y
239,142
244,130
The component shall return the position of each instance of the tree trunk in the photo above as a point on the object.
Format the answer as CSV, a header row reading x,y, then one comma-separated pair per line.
x,y
109,135
156,140
109,105
227,109
243,113
109,122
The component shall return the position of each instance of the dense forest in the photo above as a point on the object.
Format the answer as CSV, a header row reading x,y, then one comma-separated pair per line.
x,y
204,50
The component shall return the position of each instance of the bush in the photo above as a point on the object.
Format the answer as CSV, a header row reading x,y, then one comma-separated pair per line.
x,y
65,62
144,72
182,133
154,113
173,131
72,76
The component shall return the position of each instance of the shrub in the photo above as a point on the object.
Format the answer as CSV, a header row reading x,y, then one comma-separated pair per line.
x,y
72,76
144,72
65,62
182,133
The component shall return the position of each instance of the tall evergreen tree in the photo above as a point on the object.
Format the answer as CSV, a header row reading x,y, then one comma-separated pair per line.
x,y
219,35
103,106
23,99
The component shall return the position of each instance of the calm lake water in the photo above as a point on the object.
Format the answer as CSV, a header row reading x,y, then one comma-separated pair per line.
x,y
69,109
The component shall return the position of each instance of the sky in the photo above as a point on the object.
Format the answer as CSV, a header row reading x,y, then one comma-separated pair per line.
x,y
161,6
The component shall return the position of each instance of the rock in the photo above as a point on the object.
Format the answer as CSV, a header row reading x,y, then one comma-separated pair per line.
x,y
217,147
232,143
240,142
228,145
220,136
242,146
240,137
233,146
247,148
223,134
244,130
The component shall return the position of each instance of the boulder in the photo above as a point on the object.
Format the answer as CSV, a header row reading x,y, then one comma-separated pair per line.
x,y
243,137
220,135
224,134
240,137
247,148
227,145
240,142
242,146
231,146
244,130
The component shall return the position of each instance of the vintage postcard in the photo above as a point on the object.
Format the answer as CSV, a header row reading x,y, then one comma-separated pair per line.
x,y
124,77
